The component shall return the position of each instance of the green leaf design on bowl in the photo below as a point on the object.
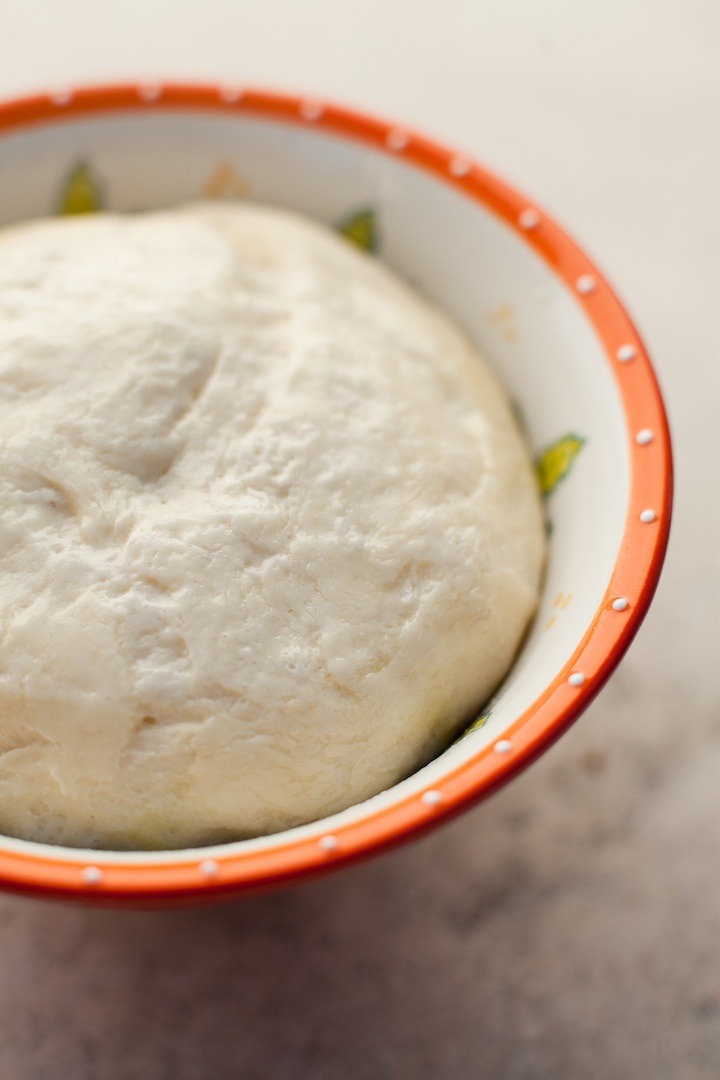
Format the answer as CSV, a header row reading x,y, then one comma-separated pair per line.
x,y
555,462
81,192
361,228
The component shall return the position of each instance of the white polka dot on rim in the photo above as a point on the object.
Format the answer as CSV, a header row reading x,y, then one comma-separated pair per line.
x,y
585,284
529,219
626,353
431,798
311,110
230,94
644,437
150,91
647,516
92,875
577,678
396,139
62,96
502,746
620,604
328,843
208,868
459,166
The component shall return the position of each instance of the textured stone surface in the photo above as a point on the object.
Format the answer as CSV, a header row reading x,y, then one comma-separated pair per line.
x,y
570,927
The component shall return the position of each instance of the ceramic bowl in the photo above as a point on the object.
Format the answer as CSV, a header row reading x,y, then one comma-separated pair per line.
x,y
536,305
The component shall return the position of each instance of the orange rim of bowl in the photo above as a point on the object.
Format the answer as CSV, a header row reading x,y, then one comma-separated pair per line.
x,y
634,578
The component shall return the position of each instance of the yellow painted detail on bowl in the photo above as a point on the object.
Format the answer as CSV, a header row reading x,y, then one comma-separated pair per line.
x,y
225,182
81,193
556,460
503,318
360,228
478,723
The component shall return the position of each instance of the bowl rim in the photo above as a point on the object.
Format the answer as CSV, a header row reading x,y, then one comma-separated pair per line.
x,y
190,878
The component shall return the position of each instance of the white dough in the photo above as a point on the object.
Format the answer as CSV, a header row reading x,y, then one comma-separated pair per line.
x,y
268,533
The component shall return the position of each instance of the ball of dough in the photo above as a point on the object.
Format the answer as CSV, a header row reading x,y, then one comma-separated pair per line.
x,y
268,532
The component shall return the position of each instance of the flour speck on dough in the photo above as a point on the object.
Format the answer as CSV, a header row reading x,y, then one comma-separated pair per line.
x,y
268,532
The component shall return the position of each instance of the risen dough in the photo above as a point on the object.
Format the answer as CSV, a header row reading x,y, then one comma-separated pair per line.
x,y
268,533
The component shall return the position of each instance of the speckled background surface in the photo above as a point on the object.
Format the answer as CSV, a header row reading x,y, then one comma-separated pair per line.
x,y
570,927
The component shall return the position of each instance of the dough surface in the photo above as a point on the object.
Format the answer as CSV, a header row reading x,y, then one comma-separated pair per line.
x,y
268,532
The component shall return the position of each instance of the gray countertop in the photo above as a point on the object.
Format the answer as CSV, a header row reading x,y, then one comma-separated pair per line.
x,y
569,927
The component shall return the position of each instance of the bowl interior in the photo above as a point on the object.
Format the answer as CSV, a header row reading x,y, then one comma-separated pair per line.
x,y
531,325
